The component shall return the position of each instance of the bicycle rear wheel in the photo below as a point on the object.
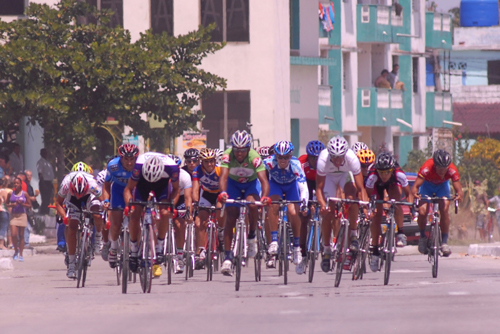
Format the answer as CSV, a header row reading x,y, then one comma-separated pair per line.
x,y
359,262
436,234
81,258
169,254
125,260
145,274
86,263
388,250
259,255
341,252
285,248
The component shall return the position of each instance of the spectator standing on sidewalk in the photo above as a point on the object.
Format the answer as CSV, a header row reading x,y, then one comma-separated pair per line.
x,y
16,159
19,201
480,207
4,214
5,164
495,202
46,176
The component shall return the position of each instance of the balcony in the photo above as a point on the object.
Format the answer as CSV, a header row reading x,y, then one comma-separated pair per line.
x,y
438,31
379,23
438,108
382,107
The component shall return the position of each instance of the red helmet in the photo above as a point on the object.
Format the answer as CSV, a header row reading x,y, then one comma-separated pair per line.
x,y
128,150
79,186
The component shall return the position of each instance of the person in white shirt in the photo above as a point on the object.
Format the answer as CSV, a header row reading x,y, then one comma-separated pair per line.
x,y
16,159
46,176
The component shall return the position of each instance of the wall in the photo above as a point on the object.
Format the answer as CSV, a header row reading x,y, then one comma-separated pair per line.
x,y
467,37
477,65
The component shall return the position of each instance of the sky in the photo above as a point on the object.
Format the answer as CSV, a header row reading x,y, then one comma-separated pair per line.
x,y
444,5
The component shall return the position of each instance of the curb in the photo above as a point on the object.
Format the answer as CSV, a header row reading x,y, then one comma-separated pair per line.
x,y
6,264
492,249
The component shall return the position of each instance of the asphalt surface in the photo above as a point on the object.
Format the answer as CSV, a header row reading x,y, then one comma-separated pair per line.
x,y
463,299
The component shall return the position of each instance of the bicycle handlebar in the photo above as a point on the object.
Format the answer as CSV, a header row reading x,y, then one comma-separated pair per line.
x,y
146,203
434,199
347,200
239,202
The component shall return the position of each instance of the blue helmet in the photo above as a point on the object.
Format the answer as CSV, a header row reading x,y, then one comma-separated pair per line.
x,y
314,148
283,148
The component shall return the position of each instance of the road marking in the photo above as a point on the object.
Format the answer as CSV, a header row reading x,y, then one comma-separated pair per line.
x,y
458,293
289,312
405,271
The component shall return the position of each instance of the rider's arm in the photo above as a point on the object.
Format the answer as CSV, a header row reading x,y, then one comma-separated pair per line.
x,y
320,184
458,190
188,200
174,196
106,190
224,174
408,193
127,193
264,183
304,191
195,191
358,181
418,182
59,206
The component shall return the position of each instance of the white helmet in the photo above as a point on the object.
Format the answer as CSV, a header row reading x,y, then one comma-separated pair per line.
x,y
359,146
241,139
101,177
153,168
337,146
218,155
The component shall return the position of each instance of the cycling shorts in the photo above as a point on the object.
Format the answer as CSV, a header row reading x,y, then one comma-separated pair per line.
x,y
379,189
291,190
117,201
440,190
208,199
236,189
332,181
142,190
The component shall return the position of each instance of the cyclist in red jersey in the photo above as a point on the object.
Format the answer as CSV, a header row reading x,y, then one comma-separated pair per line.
x,y
308,162
433,180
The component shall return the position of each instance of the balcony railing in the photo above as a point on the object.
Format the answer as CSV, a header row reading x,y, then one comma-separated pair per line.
x,y
438,108
378,23
438,30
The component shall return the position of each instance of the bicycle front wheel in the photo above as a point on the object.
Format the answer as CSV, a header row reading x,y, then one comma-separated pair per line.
x,y
388,250
125,260
286,250
341,252
145,275
209,255
436,234
311,261
81,258
239,254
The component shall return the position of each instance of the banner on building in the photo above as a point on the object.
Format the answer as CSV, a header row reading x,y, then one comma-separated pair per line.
x,y
193,139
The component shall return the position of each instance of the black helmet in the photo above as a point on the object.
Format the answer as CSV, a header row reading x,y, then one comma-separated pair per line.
x,y
441,158
191,153
385,161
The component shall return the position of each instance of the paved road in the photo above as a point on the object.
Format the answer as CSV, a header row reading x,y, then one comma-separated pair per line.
x,y
463,299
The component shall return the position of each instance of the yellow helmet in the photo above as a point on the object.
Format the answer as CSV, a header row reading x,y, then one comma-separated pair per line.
x,y
82,167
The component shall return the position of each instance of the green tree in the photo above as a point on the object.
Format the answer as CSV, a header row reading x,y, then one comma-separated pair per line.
x,y
416,159
455,16
69,77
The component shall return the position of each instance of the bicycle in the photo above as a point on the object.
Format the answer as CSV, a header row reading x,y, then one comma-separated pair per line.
x,y
147,249
313,238
434,241
389,245
169,248
212,255
239,244
189,249
284,241
340,251
359,258
84,246
261,245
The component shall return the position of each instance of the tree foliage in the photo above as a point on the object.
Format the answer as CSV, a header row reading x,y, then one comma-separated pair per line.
x,y
70,77
416,159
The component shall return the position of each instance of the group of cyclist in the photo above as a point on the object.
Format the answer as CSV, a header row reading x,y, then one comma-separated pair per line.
x,y
268,174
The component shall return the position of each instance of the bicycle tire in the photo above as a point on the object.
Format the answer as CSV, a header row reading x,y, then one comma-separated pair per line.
x,y
239,254
358,266
146,268
208,258
258,256
170,254
340,257
435,256
86,263
125,261
286,245
388,251
81,258
312,252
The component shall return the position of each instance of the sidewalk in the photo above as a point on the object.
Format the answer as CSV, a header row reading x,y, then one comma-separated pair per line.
x,y
491,249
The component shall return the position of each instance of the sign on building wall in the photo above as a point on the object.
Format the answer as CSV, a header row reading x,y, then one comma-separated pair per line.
x,y
193,139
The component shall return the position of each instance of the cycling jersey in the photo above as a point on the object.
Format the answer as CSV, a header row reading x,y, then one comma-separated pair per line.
x,y
184,183
326,167
116,173
160,187
287,180
373,181
308,170
209,182
187,170
247,170
429,174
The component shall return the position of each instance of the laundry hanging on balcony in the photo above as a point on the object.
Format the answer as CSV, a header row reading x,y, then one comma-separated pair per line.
x,y
327,16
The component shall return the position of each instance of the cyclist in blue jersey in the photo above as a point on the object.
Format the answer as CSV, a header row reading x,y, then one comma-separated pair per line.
x,y
286,177
118,172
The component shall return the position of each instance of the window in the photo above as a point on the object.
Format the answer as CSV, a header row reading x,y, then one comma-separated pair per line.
x,y
493,72
231,18
415,74
383,13
162,16
324,70
365,14
115,5
346,61
294,25
11,7
436,24
225,112
365,98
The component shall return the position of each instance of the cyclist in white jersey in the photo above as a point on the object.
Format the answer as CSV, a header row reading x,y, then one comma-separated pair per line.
x,y
338,166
